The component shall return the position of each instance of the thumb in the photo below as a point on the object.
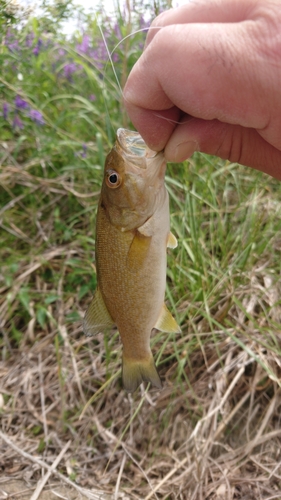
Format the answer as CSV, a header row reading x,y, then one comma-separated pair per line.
x,y
232,142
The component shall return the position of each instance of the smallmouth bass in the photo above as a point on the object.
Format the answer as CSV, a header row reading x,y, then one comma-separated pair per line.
x,y
132,235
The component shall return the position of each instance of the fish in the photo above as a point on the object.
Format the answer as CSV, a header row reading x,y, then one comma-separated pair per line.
x,y
132,236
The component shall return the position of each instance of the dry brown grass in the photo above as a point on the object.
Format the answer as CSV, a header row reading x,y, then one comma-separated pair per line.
x,y
218,437
213,434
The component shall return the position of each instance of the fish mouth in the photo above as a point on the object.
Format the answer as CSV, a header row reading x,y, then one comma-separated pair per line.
x,y
133,147
139,158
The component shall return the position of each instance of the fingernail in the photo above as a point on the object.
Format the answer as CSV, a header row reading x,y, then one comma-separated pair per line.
x,y
185,150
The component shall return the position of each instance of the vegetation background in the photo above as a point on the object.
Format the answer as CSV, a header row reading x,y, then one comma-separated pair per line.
x,y
67,427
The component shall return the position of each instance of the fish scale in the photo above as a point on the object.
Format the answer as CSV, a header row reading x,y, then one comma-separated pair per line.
x,y
124,289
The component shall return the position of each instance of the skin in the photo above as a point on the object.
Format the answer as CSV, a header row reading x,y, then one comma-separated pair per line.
x,y
209,80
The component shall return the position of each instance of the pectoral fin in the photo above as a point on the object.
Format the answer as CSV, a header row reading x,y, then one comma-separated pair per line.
x,y
148,228
97,317
172,241
138,251
166,322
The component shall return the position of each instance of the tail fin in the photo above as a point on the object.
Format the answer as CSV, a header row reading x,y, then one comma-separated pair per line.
x,y
135,372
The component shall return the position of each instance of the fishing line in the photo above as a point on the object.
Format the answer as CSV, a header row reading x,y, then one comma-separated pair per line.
x,y
116,47
109,54
110,61
188,118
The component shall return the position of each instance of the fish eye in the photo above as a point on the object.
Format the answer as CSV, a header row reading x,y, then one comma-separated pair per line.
x,y
113,179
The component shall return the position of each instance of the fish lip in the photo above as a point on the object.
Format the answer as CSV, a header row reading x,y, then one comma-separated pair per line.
x,y
134,148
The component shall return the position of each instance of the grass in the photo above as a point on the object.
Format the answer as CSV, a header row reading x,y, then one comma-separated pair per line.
x,y
214,430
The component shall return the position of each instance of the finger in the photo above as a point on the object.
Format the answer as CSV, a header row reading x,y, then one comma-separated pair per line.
x,y
204,11
230,142
155,127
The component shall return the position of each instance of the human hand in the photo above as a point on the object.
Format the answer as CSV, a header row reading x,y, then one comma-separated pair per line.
x,y
209,80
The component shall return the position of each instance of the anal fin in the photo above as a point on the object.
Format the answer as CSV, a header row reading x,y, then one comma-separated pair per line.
x,y
166,322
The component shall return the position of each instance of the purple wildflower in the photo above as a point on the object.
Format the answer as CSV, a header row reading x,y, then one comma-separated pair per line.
x,y
5,110
37,117
11,42
117,31
144,24
21,103
13,46
17,123
29,39
37,47
69,69
99,55
83,47
84,154
92,97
